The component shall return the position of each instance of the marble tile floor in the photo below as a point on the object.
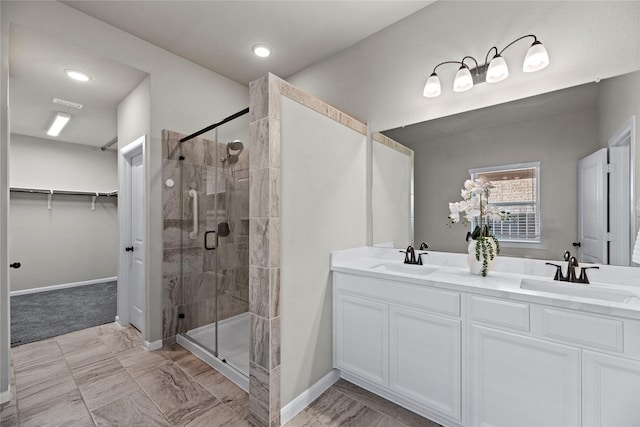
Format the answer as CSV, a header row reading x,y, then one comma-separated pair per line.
x,y
101,376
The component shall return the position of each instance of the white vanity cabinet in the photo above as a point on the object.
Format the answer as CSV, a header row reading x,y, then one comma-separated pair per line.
x,y
391,338
611,390
468,358
535,365
425,359
522,381
362,338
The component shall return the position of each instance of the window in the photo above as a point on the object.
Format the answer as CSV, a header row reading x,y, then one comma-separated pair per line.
x,y
516,189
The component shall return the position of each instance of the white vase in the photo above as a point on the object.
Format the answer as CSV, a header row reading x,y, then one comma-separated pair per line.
x,y
475,265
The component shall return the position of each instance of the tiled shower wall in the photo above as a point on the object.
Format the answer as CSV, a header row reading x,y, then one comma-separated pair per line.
x,y
189,269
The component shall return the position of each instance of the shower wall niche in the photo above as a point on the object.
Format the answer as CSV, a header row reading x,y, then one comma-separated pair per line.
x,y
207,290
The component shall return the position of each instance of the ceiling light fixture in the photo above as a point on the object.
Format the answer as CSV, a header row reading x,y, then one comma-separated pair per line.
x,y
77,75
261,50
59,122
493,71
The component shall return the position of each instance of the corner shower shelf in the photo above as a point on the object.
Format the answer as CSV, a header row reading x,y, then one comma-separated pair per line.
x,y
50,192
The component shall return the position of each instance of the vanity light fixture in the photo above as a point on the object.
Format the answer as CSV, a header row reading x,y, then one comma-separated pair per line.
x,y
493,71
77,75
261,50
59,122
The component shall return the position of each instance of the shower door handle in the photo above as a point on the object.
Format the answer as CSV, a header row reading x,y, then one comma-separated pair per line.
x,y
206,240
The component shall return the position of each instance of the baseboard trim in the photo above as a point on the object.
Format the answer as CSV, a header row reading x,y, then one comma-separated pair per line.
x,y
152,346
62,286
5,396
308,396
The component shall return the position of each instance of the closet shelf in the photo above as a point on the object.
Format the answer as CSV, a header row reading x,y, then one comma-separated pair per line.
x,y
65,192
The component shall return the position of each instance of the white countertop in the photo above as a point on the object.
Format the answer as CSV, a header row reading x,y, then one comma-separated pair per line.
x,y
450,271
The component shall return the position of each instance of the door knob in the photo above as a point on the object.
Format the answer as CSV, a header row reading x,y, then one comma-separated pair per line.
x,y
15,265
129,249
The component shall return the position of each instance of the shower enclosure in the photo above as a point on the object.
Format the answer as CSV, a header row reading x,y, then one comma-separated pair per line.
x,y
208,267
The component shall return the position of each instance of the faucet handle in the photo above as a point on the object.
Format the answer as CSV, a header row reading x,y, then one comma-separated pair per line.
x,y
406,256
420,257
583,274
558,275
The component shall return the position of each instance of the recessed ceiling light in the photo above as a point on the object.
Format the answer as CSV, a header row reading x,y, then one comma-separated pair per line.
x,y
77,75
59,122
261,50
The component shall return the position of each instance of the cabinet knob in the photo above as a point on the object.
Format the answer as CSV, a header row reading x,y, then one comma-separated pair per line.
x,y
15,265
129,249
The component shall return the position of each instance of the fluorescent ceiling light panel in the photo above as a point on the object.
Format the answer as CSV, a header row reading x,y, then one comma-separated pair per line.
x,y
66,103
59,122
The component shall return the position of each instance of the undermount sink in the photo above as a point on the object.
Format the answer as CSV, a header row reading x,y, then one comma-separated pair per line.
x,y
581,290
405,268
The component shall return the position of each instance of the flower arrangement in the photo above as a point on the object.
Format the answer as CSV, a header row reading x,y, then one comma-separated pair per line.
x,y
475,205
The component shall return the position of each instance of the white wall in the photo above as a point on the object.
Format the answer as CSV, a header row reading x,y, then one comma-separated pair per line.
x,y
5,360
556,142
69,243
618,101
47,164
323,209
380,79
390,196
181,104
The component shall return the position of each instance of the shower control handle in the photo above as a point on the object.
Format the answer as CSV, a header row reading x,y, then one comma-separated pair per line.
x,y
129,249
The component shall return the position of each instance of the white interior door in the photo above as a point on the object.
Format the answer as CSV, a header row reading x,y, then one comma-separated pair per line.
x,y
136,264
592,208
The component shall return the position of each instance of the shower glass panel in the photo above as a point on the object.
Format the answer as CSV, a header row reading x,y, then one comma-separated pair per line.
x,y
220,323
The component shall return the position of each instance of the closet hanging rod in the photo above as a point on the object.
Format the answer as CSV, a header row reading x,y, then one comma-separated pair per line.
x,y
215,125
64,192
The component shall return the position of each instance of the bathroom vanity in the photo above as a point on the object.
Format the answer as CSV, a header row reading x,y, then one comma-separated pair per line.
x,y
515,348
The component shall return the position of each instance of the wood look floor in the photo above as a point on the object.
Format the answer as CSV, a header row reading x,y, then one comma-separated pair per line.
x,y
102,376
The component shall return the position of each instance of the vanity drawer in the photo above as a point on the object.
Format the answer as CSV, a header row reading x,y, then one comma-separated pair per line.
x,y
581,329
401,293
506,314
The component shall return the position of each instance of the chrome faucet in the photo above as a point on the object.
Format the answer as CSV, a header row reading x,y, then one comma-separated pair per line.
x,y
572,264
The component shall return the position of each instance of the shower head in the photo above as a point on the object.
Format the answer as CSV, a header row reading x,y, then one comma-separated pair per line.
x,y
235,145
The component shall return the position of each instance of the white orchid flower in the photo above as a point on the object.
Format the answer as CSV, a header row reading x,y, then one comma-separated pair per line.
x,y
468,185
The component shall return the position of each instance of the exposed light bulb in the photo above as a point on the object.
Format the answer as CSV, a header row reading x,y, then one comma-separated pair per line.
x,y
463,80
497,70
432,88
536,59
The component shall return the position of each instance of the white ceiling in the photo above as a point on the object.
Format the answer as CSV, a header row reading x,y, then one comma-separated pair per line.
x,y
217,35
36,76
552,104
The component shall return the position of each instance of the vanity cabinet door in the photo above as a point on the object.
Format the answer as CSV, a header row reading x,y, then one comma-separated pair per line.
x,y
611,391
362,338
425,359
522,381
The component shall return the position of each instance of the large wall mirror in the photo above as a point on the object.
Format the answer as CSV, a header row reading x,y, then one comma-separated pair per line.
x,y
564,132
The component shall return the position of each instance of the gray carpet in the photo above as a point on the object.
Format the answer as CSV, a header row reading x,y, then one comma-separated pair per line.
x,y
35,317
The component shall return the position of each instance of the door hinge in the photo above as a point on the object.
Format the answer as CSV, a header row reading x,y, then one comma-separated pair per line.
x,y
609,168
608,236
